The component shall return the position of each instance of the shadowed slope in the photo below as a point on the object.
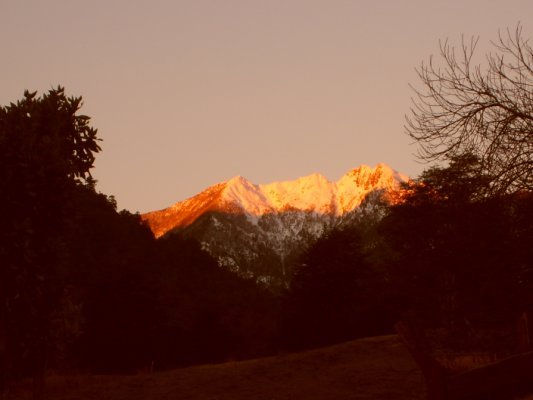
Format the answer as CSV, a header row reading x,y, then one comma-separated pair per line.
x,y
372,368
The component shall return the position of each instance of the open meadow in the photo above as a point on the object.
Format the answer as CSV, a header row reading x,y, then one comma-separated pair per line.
x,y
371,368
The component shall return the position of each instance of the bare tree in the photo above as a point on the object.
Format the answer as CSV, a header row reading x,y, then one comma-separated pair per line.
x,y
485,110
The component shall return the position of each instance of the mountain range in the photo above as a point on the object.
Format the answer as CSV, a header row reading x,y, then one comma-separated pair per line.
x,y
258,231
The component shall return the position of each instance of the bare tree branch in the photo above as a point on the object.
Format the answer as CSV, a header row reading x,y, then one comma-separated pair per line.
x,y
487,111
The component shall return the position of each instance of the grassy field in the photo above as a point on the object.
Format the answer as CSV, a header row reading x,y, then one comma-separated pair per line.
x,y
372,368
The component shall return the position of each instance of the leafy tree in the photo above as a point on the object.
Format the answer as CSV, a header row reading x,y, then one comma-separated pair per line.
x,y
46,149
464,107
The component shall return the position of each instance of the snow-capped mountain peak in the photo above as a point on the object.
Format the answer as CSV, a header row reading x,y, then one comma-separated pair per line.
x,y
310,193
240,192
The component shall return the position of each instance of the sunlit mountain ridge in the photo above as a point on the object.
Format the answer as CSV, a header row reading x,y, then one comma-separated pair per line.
x,y
309,193
257,230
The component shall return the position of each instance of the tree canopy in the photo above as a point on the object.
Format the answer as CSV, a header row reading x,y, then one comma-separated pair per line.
x,y
46,150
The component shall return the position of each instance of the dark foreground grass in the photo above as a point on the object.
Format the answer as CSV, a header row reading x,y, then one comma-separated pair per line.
x,y
372,368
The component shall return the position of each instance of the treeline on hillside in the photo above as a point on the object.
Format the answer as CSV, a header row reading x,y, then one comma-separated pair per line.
x,y
450,256
161,304
86,288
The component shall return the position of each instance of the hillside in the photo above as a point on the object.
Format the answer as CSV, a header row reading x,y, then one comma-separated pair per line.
x,y
372,368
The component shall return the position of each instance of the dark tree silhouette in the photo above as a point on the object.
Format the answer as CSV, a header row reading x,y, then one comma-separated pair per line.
x,y
46,149
209,314
335,293
463,107
460,259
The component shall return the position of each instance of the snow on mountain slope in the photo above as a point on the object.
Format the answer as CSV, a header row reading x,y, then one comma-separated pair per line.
x,y
257,230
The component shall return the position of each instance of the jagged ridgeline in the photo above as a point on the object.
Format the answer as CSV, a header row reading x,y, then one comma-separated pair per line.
x,y
258,230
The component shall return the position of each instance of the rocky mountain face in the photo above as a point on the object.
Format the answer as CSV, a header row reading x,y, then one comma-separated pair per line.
x,y
258,230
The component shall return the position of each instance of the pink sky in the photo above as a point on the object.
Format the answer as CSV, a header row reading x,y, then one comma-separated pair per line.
x,y
189,93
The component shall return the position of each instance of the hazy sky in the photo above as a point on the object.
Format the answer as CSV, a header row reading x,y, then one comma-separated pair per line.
x,y
189,93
